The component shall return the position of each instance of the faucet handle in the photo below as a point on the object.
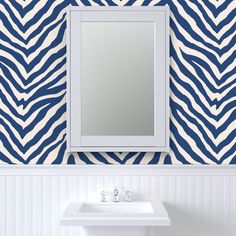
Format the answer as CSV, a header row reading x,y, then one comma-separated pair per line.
x,y
128,196
103,196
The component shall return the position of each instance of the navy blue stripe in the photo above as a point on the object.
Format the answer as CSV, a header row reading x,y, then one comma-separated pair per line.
x,y
100,158
155,159
139,158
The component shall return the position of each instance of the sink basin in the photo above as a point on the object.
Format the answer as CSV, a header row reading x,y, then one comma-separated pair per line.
x,y
116,208
115,214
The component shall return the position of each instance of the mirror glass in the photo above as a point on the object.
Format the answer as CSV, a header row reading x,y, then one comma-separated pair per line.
x,y
117,78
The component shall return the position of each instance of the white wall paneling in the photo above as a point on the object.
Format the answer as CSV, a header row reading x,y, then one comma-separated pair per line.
x,y
201,201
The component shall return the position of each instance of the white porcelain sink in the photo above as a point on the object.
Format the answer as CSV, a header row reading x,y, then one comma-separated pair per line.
x,y
115,214
116,208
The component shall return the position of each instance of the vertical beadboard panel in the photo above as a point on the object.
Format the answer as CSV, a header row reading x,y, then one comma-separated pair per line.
x,y
3,208
11,206
46,205
136,187
64,195
197,205
20,205
232,215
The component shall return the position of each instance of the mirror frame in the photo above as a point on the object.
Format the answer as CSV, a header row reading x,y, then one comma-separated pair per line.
x,y
159,142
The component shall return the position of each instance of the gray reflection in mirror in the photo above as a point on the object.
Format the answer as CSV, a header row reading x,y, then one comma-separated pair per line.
x,y
118,78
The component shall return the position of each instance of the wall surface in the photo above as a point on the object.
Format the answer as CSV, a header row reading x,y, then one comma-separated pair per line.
x,y
33,83
199,201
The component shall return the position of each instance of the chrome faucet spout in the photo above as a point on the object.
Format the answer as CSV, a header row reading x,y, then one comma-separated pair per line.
x,y
116,195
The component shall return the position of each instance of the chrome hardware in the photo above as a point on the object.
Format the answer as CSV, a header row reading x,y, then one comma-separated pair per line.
x,y
128,196
103,196
116,195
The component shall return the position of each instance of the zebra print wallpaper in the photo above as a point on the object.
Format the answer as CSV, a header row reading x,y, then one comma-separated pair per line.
x,y
33,83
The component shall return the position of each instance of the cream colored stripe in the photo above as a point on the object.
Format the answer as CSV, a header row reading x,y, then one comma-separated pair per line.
x,y
221,137
23,111
91,157
147,158
198,30
217,3
212,96
185,154
218,139
179,45
215,21
198,108
30,15
229,159
189,38
222,15
38,78
190,141
7,153
211,80
52,155
26,96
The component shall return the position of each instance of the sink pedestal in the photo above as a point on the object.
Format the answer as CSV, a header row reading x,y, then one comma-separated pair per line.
x,y
115,231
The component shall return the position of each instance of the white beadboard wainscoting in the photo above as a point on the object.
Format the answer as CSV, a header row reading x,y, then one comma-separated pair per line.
x,y
201,200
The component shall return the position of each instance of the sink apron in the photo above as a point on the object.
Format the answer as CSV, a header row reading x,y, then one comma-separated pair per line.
x,y
115,231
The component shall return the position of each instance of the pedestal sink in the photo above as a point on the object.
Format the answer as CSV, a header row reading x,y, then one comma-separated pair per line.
x,y
115,219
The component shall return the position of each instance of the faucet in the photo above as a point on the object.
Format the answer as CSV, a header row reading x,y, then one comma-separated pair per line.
x,y
116,195
128,196
103,196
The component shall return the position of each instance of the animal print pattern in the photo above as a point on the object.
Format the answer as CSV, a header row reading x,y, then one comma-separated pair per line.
x,y
33,83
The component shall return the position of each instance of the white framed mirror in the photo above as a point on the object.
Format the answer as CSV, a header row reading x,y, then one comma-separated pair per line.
x,y
117,79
